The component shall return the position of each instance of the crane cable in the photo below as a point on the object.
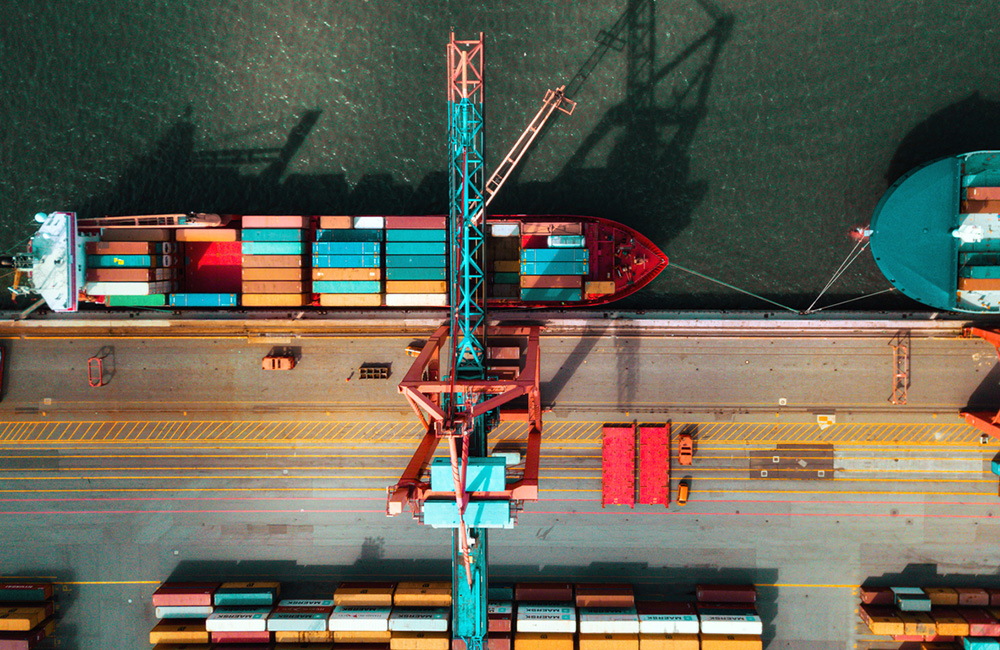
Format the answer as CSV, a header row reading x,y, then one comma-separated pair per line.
x,y
850,259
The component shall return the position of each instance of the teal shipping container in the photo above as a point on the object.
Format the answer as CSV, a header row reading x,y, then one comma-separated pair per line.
x,y
346,247
566,241
414,261
153,300
244,596
349,235
506,278
346,286
555,255
478,514
415,248
404,273
273,248
272,234
996,466
980,272
124,261
554,268
203,300
980,643
483,474
416,235
561,295
346,262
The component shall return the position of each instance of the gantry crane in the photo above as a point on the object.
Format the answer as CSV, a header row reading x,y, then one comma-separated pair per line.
x,y
463,403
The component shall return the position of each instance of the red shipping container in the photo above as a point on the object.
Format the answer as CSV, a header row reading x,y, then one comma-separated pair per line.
x,y
21,640
275,221
658,607
877,596
741,607
980,207
654,464
184,594
544,591
994,597
727,593
983,193
972,596
605,595
980,622
415,223
551,281
498,642
303,610
618,465
241,637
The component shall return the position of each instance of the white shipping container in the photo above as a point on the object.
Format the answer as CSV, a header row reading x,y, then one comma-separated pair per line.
x,y
668,624
500,607
419,619
369,222
416,300
305,603
127,288
505,229
546,618
606,620
236,622
359,619
184,611
728,624
288,622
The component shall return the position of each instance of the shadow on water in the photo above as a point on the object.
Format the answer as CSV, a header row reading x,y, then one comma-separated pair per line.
x,y
972,124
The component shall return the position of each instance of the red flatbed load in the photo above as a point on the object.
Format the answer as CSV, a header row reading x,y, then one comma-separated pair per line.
x,y
618,465
654,464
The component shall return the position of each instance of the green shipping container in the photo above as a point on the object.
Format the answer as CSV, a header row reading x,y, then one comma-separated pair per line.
x,y
271,234
273,248
154,300
414,261
561,295
404,273
349,235
415,248
416,235
346,286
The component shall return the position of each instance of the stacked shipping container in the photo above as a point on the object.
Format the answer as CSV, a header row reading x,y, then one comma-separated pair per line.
x,y
554,261
347,261
132,267
968,615
27,614
273,253
416,262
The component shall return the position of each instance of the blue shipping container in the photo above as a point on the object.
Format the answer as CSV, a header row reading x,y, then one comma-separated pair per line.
x,y
554,268
440,513
405,273
562,295
271,234
416,235
414,261
346,286
123,261
555,255
349,235
273,248
346,261
415,248
483,474
346,247
203,300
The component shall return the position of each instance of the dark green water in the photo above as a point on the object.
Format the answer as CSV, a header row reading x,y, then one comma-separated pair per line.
x,y
745,137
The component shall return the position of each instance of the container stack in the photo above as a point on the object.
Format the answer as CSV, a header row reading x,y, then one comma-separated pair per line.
x,y
273,253
132,267
416,262
727,616
347,261
554,262
505,262
211,263
27,614
966,617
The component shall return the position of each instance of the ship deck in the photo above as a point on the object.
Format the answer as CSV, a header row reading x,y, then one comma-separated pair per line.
x,y
188,462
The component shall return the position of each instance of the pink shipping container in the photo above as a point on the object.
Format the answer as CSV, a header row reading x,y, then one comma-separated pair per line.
x,y
271,221
130,275
415,223
184,594
551,281
241,637
983,193
727,593
336,223
972,596
551,228
980,622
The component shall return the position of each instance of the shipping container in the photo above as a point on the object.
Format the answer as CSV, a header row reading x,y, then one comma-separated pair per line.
x,y
364,594
416,235
551,281
26,640
948,621
541,295
507,278
274,221
247,593
350,300
21,619
415,274
307,637
980,207
724,624
981,623
131,275
599,288
669,642
271,234
972,596
25,591
609,642
179,632
983,193
566,241
184,594
730,642
347,636
507,266
207,234
980,643
419,619
289,622
346,286
608,620
138,234
415,261
273,274
505,229
377,223
416,248
500,591
616,595
346,261
128,261
420,641
994,593
346,274
273,248
555,255
336,222
551,228
726,593
272,261
667,618
554,268
433,222
543,591
416,286
499,641
250,639
129,248
542,641
203,300
877,595
236,622
349,236
416,300
482,475
47,607
351,618
422,594
500,616
346,247
184,611
265,286
914,623
275,299
880,619
127,288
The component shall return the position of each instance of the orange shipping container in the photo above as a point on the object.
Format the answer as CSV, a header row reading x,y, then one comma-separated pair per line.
x,y
881,620
507,266
983,193
609,642
917,623
668,642
364,594
277,275
730,642
169,632
542,641
551,281
346,274
949,623
599,287
980,207
303,637
416,286
422,594
420,641
362,637
264,286
973,284
137,234
207,234
21,619
275,299
336,223
350,300
947,595
277,261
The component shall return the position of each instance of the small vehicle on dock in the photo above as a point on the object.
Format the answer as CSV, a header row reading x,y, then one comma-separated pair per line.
x,y
682,493
685,453
277,362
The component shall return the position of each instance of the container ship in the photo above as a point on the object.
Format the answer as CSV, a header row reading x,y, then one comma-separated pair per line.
x,y
936,233
210,261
